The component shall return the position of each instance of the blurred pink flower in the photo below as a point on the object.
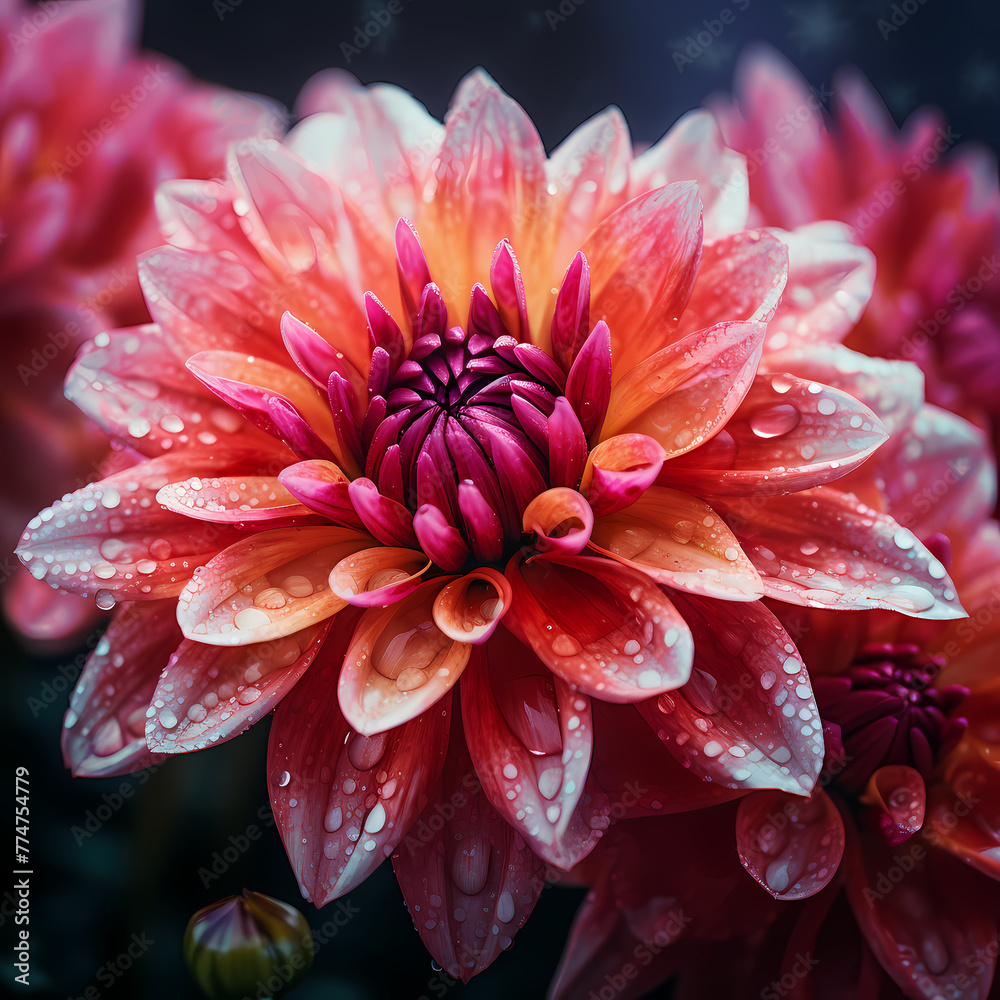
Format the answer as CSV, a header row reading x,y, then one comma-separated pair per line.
x,y
364,477
88,129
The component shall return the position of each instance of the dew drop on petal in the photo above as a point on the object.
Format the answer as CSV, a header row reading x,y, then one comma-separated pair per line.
x,y
773,421
565,645
283,779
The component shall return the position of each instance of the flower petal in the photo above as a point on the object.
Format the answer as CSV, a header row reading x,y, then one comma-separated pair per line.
x,y
343,801
399,663
571,318
643,260
388,521
440,539
206,695
680,541
266,586
324,488
470,608
561,519
600,626
379,576
541,794
103,729
896,798
619,470
747,718
588,384
233,500
787,435
468,875
790,845
825,549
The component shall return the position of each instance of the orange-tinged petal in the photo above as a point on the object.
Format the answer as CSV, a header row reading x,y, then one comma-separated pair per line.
x,y
324,488
599,625
233,500
470,608
680,541
562,519
788,434
896,799
619,470
378,576
399,663
790,845
206,695
266,586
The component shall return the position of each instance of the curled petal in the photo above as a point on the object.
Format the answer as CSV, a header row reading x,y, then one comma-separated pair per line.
x,y
561,519
232,500
896,798
209,694
390,522
540,791
266,586
470,608
103,729
679,541
790,845
825,549
601,626
399,663
343,801
619,470
588,384
324,488
467,875
440,539
787,435
747,718
378,577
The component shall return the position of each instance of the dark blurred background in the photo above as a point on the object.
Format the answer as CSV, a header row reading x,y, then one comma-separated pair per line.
x,y
143,870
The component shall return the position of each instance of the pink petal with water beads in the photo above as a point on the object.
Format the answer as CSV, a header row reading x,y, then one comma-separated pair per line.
x,y
378,577
588,385
323,488
390,522
603,627
530,736
440,539
619,470
206,695
399,663
896,798
384,331
266,586
789,434
470,608
411,265
562,519
233,500
103,729
508,291
790,845
571,319
747,718
343,801
679,541
484,320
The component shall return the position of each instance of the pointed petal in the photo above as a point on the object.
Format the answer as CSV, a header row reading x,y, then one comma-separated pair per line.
x,y
482,526
390,522
343,801
896,798
538,794
399,663
470,608
266,586
562,520
257,500
441,540
467,875
787,435
411,268
567,445
378,577
588,384
508,291
790,845
571,318
103,729
825,549
324,488
317,359
206,695
683,394
643,261
599,625
747,718
681,542
619,470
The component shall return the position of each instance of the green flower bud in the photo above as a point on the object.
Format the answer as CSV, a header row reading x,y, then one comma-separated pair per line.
x,y
248,946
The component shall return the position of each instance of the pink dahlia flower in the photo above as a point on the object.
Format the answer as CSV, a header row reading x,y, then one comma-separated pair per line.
x,y
88,129
929,213
464,541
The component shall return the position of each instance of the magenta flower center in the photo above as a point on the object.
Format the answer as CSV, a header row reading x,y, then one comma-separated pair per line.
x,y
889,712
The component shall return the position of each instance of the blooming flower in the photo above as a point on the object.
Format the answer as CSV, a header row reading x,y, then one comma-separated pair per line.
x,y
89,129
365,479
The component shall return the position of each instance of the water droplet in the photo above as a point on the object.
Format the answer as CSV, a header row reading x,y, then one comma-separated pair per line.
x,y
167,719
505,907
271,598
826,406
251,618
105,600
333,820
565,645
809,548
197,713
110,498
410,678
682,531
145,566
773,421
298,586
376,819
509,771
283,779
